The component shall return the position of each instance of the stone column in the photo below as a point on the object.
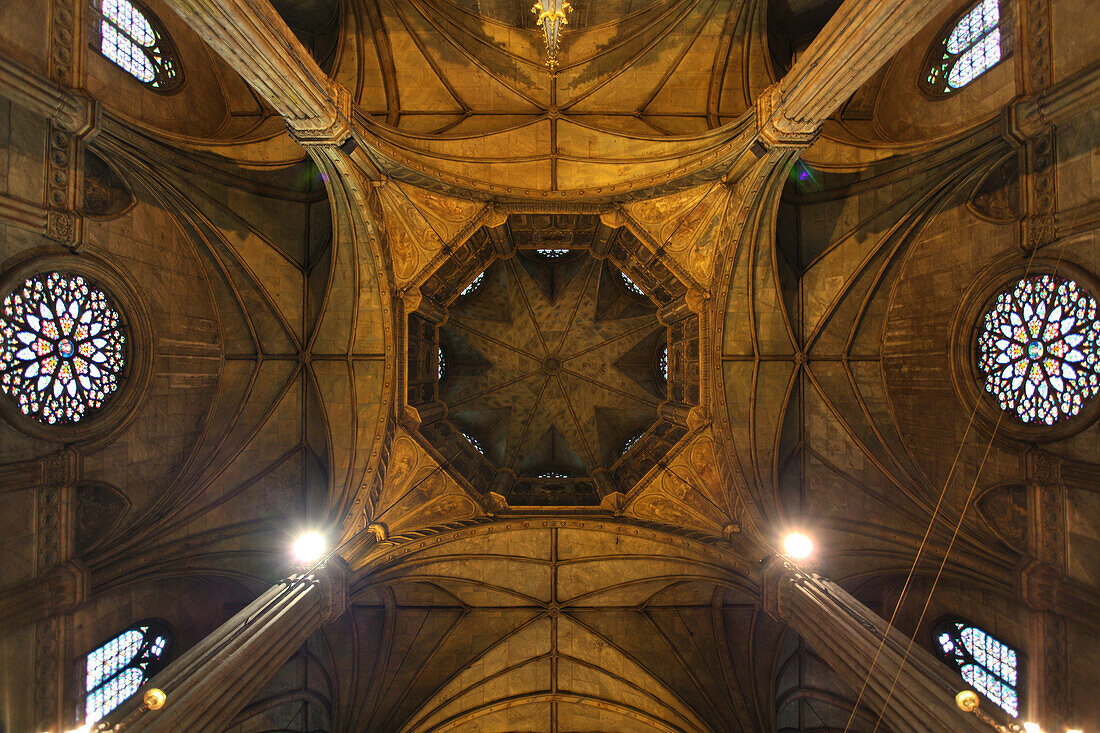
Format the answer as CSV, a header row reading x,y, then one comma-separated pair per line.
x,y
217,677
846,635
253,39
1048,674
860,37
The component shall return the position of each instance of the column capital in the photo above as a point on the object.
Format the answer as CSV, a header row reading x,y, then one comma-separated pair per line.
x,y
774,128
778,575
331,128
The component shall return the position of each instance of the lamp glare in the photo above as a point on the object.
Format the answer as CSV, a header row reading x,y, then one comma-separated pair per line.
x,y
309,547
1032,728
797,546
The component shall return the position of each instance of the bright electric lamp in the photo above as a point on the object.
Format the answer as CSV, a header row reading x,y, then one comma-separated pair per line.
x,y
1032,728
309,547
1074,730
797,545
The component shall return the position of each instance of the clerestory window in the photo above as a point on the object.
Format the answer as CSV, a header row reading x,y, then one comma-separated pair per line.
x,y
989,666
970,47
117,669
132,37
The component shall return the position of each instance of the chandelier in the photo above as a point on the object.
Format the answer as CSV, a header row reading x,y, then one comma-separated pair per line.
x,y
551,17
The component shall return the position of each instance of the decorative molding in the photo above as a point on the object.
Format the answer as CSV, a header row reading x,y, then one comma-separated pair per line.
x,y
65,41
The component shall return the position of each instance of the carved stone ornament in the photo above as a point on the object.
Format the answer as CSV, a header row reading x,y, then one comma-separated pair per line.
x,y
777,576
63,227
1044,468
332,581
332,129
774,129
1039,583
61,468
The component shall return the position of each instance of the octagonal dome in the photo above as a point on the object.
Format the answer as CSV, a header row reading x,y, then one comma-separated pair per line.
x,y
552,360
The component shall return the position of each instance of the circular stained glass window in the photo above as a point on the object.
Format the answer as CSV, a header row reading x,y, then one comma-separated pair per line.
x,y
1038,349
62,347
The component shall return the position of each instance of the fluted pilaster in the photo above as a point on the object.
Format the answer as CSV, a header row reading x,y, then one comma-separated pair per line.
x,y
253,39
859,38
212,681
914,691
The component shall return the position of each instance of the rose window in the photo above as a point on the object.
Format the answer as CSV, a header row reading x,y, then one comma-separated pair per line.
x,y
63,347
1038,349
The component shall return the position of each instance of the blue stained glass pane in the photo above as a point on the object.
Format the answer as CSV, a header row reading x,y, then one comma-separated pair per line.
x,y
127,37
130,21
108,697
986,664
111,657
984,17
116,670
971,64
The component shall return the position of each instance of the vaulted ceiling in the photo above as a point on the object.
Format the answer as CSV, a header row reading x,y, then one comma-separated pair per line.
x,y
809,302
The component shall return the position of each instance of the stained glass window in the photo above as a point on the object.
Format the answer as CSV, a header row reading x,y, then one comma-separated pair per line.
x,y
473,441
62,347
552,474
1038,349
987,665
552,254
473,285
631,285
442,365
115,671
662,363
129,36
631,441
971,48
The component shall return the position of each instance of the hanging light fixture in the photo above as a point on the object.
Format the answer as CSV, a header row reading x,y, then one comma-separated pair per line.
x,y
551,17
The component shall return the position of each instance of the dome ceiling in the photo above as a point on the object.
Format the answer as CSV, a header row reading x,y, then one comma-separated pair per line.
x,y
546,373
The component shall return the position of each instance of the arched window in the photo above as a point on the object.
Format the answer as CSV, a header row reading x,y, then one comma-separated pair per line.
x,y
987,665
115,670
473,441
62,347
442,363
133,38
552,474
631,285
662,363
969,49
629,442
1039,349
553,254
474,285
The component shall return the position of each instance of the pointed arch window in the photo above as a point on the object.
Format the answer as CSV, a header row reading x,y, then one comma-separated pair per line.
x,y
968,48
117,669
988,665
132,37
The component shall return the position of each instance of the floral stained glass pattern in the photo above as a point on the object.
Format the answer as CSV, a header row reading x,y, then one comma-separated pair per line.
x,y
987,665
115,671
1038,349
971,48
62,347
128,38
